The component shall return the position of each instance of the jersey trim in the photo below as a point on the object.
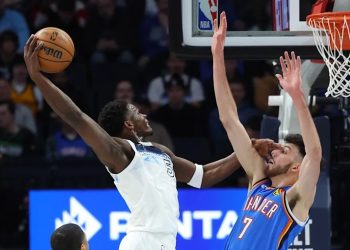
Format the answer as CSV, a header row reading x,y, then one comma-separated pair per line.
x,y
259,183
290,213
128,167
290,223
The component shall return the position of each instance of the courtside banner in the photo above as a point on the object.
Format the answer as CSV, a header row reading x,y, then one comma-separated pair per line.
x,y
206,216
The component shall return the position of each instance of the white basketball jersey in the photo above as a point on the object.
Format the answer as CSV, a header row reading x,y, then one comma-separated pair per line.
x,y
148,186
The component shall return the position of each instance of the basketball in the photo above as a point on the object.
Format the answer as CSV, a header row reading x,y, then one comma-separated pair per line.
x,y
58,50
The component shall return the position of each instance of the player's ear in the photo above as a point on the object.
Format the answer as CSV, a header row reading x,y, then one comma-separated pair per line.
x,y
84,245
296,167
129,124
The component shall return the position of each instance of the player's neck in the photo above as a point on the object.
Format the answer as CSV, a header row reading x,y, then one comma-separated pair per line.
x,y
282,180
132,136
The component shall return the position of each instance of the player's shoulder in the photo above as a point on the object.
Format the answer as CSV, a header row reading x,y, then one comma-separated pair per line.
x,y
126,145
164,149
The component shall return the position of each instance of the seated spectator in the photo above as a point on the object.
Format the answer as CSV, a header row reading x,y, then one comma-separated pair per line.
x,y
23,115
234,69
124,90
71,16
246,111
153,37
180,118
47,123
24,91
110,34
15,141
66,143
193,88
15,21
8,52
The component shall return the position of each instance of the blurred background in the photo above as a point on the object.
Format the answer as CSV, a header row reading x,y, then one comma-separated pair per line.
x,y
122,52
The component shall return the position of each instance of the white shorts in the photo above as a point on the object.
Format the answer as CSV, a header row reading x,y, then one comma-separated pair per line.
x,y
148,241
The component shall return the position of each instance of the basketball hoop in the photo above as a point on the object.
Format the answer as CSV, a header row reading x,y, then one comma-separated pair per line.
x,y
332,38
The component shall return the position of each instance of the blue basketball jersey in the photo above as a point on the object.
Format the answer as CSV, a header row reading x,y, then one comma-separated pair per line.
x,y
266,221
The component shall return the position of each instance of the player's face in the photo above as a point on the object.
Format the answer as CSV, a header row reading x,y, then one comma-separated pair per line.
x,y
141,124
281,160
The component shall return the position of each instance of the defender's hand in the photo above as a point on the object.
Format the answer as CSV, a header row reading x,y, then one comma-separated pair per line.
x,y
265,146
291,79
219,36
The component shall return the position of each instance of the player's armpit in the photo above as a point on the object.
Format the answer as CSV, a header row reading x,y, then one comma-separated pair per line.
x,y
112,152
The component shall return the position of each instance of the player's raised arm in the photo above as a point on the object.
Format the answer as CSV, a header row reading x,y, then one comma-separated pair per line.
x,y
111,152
201,176
250,160
303,191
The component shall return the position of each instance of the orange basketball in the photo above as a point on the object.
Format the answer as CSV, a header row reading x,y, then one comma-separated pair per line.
x,y
58,49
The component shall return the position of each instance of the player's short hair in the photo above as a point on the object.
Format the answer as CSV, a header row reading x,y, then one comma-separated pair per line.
x,y
112,117
297,140
67,237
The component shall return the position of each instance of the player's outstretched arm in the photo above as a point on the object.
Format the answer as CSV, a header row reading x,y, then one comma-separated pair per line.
x,y
109,151
250,160
303,191
214,172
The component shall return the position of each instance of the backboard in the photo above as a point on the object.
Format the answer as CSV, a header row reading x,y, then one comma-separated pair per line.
x,y
256,29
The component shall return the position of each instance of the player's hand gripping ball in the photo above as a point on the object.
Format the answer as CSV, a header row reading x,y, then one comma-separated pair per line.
x,y
57,51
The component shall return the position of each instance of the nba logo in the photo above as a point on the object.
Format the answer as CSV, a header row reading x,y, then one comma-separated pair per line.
x,y
207,13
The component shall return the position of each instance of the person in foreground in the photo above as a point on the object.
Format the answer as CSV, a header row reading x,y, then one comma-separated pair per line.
x,y
144,173
281,189
69,237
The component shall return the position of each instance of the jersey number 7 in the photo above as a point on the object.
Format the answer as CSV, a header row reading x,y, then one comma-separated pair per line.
x,y
247,221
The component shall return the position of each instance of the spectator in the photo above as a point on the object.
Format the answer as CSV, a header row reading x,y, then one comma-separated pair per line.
x,y
234,69
125,91
71,16
23,115
111,36
47,123
23,91
153,36
66,143
180,118
246,111
193,88
8,51
15,141
15,21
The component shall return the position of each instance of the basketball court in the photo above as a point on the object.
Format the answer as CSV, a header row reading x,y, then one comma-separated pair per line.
x,y
322,41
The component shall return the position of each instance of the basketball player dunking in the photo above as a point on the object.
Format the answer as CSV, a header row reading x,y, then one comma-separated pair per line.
x,y
282,189
144,173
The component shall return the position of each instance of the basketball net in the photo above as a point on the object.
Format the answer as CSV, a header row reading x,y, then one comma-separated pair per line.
x,y
332,38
